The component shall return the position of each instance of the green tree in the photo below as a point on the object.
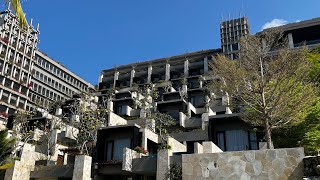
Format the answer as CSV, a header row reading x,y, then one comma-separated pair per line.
x,y
6,148
87,116
314,59
159,123
269,80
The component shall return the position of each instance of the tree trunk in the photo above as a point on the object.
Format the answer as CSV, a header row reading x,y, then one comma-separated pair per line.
x,y
268,135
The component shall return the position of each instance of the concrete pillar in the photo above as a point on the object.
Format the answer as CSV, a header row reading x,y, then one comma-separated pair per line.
x,y
116,76
132,76
210,147
186,68
149,74
25,105
205,65
2,82
290,38
163,162
100,78
167,78
18,100
9,98
198,148
82,168
27,154
19,171
110,104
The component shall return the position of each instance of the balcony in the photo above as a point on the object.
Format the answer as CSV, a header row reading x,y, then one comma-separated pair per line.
x,y
138,163
69,133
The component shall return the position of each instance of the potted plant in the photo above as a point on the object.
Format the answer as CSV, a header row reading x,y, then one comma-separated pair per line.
x,y
141,150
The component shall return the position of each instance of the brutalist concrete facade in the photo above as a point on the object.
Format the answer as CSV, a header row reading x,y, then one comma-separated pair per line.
x,y
17,51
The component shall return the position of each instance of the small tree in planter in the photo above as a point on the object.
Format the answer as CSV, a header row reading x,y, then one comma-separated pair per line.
x,y
87,117
37,133
156,121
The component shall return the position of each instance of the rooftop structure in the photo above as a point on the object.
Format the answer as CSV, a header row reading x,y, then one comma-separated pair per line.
x,y
231,31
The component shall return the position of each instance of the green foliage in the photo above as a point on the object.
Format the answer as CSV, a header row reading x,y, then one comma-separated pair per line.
x,y
7,146
269,80
311,139
139,149
314,59
174,172
164,146
305,133
16,6
6,166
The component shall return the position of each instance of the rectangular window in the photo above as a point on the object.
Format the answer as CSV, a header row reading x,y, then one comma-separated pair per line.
x,y
114,149
221,140
253,140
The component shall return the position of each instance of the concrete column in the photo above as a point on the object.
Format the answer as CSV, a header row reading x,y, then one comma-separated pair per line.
x,y
2,82
163,162
9,98
116,77
210,147
25,105
19,171
18,100
205,65
167,72
149,74
110,104
1,91
198,148
82,168
132,76
290,38
27,154
186,68
100,79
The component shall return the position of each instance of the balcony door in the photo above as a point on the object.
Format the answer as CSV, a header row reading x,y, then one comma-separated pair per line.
x,y
114,148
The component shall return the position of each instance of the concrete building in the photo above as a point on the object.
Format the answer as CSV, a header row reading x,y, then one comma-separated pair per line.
x,y
181,82
302,33
17,52
231,31
52,81
28,75
200,115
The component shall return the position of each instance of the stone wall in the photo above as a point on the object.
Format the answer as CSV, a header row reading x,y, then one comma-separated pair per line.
x,y
259,164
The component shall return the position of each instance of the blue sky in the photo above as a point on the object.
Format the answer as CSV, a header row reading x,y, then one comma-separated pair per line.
x,y
89,36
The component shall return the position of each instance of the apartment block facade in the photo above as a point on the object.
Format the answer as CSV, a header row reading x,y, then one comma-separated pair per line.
x,y
183,94
52,81
17,47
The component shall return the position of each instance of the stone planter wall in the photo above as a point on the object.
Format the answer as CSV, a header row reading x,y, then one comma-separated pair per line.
x,y
260,164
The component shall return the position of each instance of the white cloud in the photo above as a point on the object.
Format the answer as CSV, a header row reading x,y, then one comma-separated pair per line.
x,y
274,23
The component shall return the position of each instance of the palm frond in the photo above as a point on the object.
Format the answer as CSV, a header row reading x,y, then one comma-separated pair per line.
x,y
16,6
